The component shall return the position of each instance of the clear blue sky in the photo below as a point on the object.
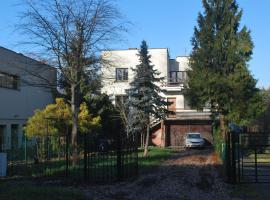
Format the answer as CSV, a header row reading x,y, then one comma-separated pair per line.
x,y
167,23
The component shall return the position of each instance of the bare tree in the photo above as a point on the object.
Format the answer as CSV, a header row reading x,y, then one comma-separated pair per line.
x,y
70,35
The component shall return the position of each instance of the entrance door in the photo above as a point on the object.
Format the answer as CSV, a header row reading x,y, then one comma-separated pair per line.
x,y
172,106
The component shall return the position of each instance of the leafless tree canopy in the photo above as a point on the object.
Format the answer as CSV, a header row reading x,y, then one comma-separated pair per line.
x,y
71,33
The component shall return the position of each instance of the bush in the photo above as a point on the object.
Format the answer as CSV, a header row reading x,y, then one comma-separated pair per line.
x,y
218,141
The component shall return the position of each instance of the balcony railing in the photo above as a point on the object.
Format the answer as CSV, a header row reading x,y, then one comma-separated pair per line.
x,y
176,79
189,114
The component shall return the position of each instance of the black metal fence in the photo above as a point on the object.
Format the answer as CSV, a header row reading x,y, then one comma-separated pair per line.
x,y
248,157
99,159
114,162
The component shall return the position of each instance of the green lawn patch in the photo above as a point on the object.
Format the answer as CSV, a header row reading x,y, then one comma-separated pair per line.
x,y
29,191
103,166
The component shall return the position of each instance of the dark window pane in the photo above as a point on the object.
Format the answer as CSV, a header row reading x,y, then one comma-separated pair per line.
x,y
121,74
177,76
14,136
9,81
186,104
125,74
2,137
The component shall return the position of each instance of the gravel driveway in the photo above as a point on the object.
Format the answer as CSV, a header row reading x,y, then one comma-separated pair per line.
x,y
190,175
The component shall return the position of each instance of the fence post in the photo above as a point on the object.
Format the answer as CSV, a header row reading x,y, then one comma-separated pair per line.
x,y
67,144
85,157
228,156
233,160
256,166
119,157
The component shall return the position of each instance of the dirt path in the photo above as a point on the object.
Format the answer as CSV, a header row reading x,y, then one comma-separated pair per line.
x,y
190,175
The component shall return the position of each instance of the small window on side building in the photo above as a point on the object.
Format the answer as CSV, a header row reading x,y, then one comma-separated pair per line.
x,y
121,74
9,81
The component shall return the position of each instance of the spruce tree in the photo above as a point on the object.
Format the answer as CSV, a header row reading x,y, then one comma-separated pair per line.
x,y
145,102
219,75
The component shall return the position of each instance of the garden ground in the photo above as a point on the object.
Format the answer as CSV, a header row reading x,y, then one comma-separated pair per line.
x,y
165,174
186,175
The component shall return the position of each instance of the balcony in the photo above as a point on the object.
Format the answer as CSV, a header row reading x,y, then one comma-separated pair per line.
x,y
175,81
183,114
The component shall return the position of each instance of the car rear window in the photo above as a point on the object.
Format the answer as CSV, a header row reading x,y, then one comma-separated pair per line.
x,y
193,136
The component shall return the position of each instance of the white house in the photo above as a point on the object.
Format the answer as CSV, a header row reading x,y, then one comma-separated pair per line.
x,y
25,85
117,74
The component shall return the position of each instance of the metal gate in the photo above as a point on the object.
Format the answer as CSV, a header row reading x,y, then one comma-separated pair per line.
x,y
114,161
250,156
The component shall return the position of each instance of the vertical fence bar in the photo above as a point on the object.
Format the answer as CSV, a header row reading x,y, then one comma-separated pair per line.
x,y
256,166
25,145
243,153
238,156
119,157
84,158
228,157
67,153
233,160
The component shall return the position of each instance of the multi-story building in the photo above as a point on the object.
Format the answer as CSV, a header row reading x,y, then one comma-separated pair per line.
x,y
24,87
118,73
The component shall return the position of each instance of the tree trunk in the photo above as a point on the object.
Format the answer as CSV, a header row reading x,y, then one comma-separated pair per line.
x,y
146,140
142,140
74,132
223,127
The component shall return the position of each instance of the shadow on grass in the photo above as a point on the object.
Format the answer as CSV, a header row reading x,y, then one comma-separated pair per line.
x,y
28,190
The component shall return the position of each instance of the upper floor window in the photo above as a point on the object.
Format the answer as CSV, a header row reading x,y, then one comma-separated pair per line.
x,y
121,74
177,76
9,81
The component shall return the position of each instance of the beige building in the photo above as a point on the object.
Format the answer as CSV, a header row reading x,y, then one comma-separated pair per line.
x,y
25,85
117,74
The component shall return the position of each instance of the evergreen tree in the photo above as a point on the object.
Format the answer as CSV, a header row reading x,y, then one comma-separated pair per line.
x,y
145,102
219,75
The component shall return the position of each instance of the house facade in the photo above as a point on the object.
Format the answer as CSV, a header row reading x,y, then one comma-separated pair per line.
x,y
117,74
25,85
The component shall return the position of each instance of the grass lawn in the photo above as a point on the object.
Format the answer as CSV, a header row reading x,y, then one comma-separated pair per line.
x,y
30,190
155,157
262,158
24,190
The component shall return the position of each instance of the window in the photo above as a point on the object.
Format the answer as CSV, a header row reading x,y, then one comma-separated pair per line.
x,y
121,74
172,106
2,137
9,81
14,136
177,76
186,104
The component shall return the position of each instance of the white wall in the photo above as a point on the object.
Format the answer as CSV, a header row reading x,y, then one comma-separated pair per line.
x,y
128,59
183,62
179,64
18,105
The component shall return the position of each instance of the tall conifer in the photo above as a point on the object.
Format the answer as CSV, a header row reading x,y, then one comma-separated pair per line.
x,y
219,75
145,102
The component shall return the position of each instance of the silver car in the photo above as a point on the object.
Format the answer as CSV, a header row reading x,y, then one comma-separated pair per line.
x,y
194,140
